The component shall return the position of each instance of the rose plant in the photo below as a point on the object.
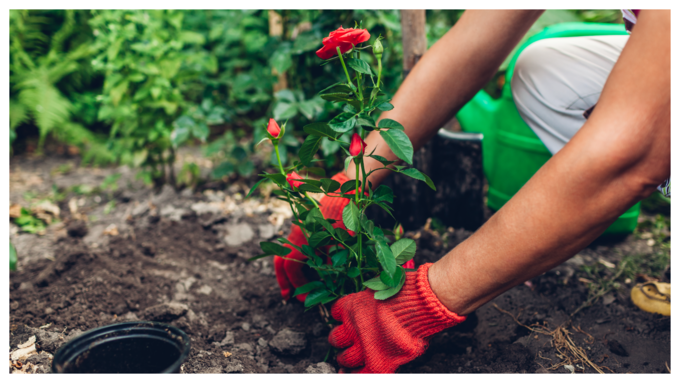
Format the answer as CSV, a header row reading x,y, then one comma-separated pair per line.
x,y
349,253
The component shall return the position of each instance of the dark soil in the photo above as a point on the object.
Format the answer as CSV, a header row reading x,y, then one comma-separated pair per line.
x,y
179,268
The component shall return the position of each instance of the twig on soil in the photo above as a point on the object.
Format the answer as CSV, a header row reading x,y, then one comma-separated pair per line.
x,y
564,345
604,290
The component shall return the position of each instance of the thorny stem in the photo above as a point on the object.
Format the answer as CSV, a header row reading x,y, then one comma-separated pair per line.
x,y
278,158
349,79
356,198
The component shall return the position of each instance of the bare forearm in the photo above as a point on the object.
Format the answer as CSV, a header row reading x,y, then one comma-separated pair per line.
x,y
448,75
617,158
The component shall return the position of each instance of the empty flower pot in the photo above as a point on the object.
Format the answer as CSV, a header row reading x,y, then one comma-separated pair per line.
x,y
132,347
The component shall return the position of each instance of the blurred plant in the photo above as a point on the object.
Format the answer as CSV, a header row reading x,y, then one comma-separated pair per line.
x,y
231,156
147,70
12,257
50,54
30,223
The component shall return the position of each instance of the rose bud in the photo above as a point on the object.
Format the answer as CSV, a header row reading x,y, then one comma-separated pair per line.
x,y
357,145
343,38
377,48
292,177
273,128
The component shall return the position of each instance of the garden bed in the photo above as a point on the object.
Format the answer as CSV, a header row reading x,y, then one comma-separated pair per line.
x,y
182,258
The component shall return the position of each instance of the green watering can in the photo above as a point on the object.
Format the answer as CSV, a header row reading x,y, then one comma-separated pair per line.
x,y
512,152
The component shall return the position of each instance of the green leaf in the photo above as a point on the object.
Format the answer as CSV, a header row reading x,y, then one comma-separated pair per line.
x,y
339,258
12,257
308,287
309,148
310,188
353,272
386,106
274,249
320,129
350,216
281,59
360,66
403,250
278,178
417,174
222,170
344,97
382,159
336,88
312,219
392,282
399,144
367,224
386,123
385,257
384,294
343,122
317,297
255,187
320,238
376,284
329,185
348,186
383,193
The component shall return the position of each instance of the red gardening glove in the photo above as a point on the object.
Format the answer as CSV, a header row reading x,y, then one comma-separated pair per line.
x,y
289,274
383,335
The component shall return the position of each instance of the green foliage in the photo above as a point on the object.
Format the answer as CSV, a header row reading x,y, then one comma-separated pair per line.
x,y
147,68
50,53
364,259
29,223
154,80
12,257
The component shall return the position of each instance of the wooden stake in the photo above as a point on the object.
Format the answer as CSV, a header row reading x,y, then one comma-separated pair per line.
x,y
276,29
413,37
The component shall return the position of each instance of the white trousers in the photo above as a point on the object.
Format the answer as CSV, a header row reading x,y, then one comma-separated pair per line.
x,y
557,80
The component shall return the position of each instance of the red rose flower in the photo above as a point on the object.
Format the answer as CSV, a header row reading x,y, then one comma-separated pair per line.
x,y
273,128
357,145
343,38
291,180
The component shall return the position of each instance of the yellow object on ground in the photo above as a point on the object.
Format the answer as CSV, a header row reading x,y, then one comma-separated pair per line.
x,y
653,297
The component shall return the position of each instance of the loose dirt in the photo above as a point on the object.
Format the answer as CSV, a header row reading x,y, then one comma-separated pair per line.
x,y
181,258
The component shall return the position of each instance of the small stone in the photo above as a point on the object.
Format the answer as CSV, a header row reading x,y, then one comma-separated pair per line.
x,y
288,342
245,326
173,213
262,343
266,231
320,368
49,311
245,347
238,234
233,366
25,286
203,208
228,339
140,209
205,289
166,312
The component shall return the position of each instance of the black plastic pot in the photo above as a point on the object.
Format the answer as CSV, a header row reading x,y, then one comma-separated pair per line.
x,y
131,347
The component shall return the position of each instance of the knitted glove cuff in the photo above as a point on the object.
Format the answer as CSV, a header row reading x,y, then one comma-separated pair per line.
x,y
418,308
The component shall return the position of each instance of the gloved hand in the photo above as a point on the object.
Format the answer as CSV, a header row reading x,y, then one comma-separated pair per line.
x,y
289,274
383,335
